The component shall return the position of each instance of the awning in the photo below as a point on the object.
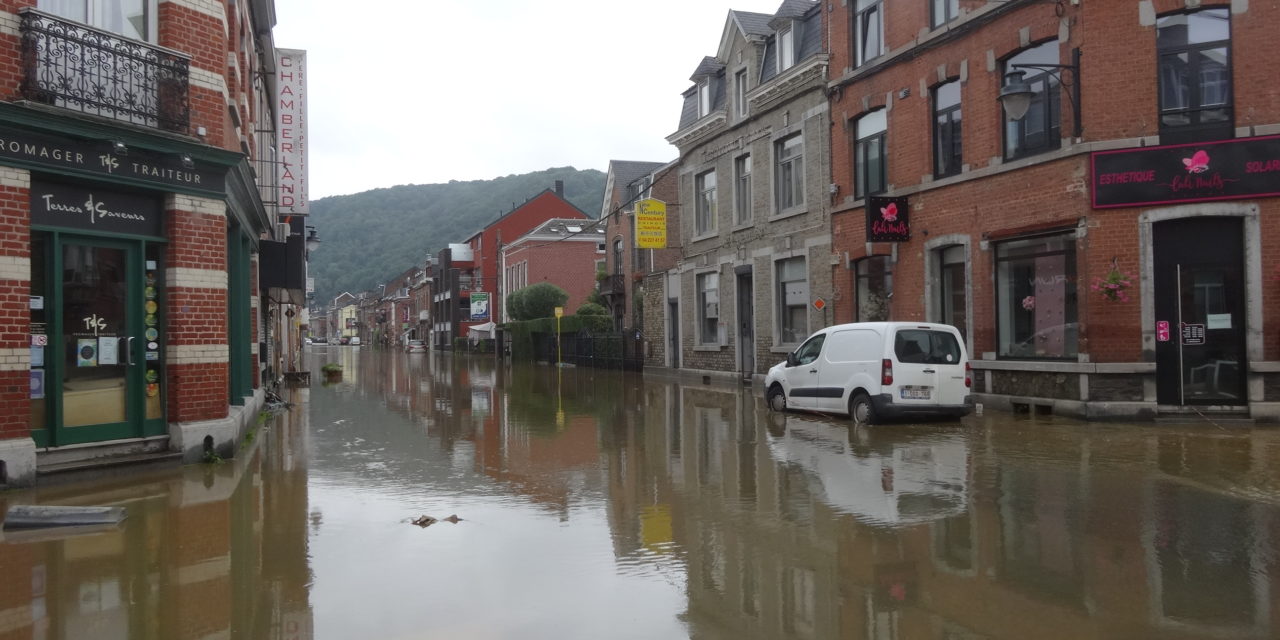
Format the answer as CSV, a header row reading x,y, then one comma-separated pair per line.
x,y
481,330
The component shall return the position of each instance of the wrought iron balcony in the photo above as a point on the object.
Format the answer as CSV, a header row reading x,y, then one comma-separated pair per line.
x,y
75,66
613,285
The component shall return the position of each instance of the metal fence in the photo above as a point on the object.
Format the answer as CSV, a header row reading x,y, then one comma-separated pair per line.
x,y
602,351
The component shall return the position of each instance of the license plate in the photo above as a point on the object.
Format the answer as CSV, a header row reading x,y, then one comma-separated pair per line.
x,y
915,393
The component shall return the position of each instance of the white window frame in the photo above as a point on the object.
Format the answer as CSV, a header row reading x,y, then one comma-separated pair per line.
x,y
704,98
708,287
788,173
705,203
95,12
740,84
786,57
868,15
787,334
742,209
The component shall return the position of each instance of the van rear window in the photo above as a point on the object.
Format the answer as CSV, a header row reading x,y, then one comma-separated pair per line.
x,y
925,346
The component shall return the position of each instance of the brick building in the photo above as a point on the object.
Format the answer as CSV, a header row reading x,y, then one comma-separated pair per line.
x,y
625,265
137,142
1068,244
753,174
563,252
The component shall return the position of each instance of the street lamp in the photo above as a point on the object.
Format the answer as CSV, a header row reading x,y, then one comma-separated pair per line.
x,y
313,240
1016,95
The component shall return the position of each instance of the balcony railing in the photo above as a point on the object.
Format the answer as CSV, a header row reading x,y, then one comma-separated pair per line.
x,y
613,285
75,66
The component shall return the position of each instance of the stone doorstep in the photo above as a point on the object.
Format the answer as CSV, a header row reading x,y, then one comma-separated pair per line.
x,y
54,457
107,464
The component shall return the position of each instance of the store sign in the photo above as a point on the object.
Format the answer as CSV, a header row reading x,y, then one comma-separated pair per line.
x,y
888,220
651,224
95,209
97,157
1227,170
291,125
479,305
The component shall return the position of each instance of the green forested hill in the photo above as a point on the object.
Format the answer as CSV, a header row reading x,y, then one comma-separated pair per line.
x,y
370,237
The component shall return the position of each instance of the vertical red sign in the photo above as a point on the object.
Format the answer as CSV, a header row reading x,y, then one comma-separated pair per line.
x,y
1162,331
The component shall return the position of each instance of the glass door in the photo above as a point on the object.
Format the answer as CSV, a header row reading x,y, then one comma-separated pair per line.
x,y
100,351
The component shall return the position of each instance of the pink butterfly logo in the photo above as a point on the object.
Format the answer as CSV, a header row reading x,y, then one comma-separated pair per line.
x,y
1198,163
889,213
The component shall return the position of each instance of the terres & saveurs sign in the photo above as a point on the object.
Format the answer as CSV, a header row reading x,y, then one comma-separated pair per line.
x,y
887,220
94,209
1226,170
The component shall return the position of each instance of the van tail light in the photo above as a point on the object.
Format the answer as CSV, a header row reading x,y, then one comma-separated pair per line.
x,y
886,371
968,375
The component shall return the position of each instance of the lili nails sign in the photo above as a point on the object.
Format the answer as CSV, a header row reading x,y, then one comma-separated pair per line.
x,y
888,220
1226,170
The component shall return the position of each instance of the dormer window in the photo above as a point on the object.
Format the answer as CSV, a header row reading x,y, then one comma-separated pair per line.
x,y
786,49
704,97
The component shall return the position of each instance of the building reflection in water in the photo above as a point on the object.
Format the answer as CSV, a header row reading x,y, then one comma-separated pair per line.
x,y
205,551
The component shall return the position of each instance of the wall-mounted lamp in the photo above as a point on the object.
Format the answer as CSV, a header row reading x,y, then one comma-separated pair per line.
x,y
313,240
1016,95
187,161
119,148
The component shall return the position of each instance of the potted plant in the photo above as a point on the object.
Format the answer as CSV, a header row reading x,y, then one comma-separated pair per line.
x,y
332,371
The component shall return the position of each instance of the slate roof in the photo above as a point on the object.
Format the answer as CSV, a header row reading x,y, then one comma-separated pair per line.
x,y
791,10
626,172
753,24
708,67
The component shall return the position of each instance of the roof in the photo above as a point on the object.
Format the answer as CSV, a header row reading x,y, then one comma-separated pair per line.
x,y
752,24
794,8
626,172
708,67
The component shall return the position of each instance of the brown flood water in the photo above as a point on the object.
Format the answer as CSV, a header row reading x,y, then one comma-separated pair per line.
x,y
600,505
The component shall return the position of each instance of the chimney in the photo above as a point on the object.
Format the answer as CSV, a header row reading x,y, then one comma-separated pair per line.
x,y
560,188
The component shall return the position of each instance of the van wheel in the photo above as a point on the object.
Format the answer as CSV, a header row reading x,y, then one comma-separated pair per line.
x,y
861,410
776,399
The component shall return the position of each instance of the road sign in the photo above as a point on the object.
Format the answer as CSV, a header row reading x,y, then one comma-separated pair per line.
x,y
819,304
559,312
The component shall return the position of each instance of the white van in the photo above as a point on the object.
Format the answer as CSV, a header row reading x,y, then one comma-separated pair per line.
x,y
874,370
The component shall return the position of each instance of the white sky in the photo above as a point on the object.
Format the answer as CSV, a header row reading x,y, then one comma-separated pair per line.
x,y
427,91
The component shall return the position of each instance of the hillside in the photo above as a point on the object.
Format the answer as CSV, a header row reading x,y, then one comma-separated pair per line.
x,y
370,237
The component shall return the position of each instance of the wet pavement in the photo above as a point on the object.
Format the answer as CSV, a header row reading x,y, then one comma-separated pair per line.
x,y
595,504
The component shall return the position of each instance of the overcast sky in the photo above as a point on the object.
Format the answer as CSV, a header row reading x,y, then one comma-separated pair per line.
x,y
427,91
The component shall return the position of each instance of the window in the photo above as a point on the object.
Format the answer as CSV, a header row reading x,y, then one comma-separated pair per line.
x,y
1195,76
811,349
709,308
617,256
944,11
875,286
740,85
789,155
793,300
786,49
704,98
951,291
705,213
129,18
1036,297
869,31
869,154
946,129
1040,129
742,189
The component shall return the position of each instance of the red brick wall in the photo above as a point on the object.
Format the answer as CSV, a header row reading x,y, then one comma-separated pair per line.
x,y
15,314
568,265
196,316
511,227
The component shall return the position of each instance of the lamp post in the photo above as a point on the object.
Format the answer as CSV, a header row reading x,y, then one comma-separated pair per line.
x,y
1016,95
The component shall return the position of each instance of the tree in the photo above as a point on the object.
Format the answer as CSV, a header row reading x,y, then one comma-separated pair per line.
x,y
540,300
591,309
515,306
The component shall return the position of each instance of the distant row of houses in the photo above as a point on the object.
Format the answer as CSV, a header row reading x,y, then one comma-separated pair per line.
x,y
986,164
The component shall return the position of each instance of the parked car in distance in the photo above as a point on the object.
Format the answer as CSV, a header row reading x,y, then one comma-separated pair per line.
x,y
415,346
319,340
344,340
355,341
875,370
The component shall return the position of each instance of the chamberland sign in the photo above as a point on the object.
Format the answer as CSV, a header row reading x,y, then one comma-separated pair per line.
x,y
99,158
93,209
888,220
1227,170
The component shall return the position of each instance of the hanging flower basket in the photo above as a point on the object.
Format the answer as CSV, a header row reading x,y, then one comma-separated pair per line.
x,y
1115,285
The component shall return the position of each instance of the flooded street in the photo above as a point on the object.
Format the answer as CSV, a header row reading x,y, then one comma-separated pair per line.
x,y
598,505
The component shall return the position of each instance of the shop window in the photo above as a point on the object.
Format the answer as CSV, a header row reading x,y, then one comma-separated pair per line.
x,y
1194,52
1041,129
870,157
793,300
709,308
705,206
875,287
946,129
1036,297
868,27
789,158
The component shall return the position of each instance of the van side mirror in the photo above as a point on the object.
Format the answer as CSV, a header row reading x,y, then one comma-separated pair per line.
x,y
791,359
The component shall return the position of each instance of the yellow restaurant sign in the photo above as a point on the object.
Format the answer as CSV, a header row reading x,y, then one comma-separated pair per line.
x,y
651,224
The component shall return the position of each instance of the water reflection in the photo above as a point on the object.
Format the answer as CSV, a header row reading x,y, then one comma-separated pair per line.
x,y
206,551
597,504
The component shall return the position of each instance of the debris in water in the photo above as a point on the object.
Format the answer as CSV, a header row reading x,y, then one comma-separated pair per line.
x,y
36,516
426,521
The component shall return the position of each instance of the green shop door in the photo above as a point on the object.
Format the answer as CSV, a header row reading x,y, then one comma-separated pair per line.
x,y
101,358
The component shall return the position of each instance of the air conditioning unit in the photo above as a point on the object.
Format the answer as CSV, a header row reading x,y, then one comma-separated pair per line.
x,y
282,231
